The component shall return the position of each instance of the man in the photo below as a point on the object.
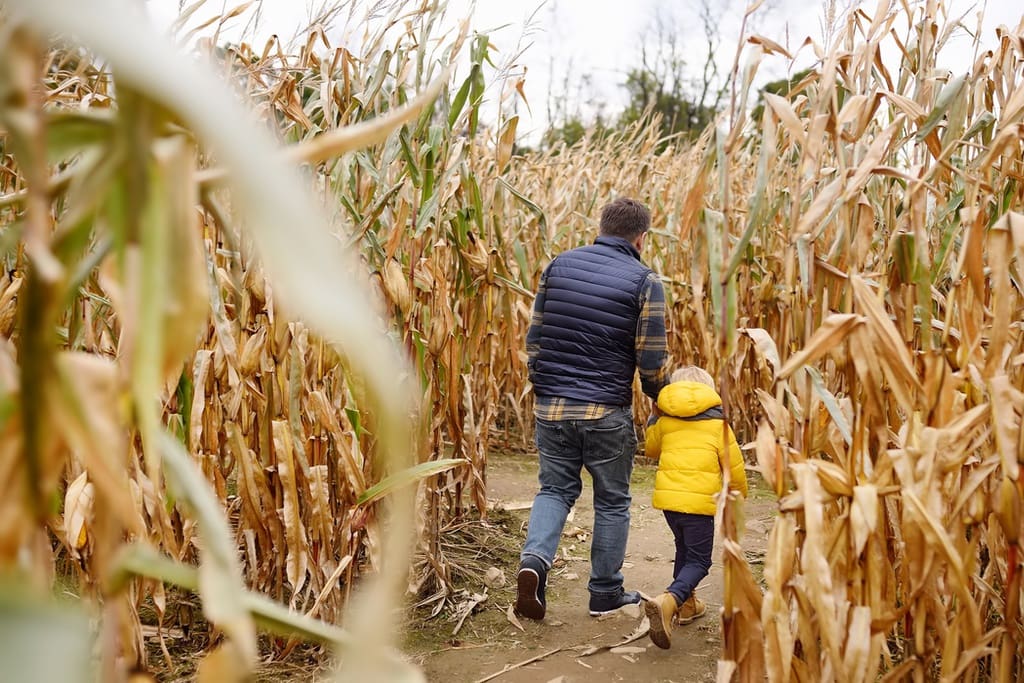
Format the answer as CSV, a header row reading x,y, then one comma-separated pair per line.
x,y
599,316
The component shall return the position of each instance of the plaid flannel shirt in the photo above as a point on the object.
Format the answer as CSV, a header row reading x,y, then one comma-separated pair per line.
x,y
651,354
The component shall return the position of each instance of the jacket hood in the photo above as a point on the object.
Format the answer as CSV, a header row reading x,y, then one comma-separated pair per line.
x,y
686,399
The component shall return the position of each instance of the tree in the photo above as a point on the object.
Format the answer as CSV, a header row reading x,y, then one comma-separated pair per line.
x,y
685,95
663,85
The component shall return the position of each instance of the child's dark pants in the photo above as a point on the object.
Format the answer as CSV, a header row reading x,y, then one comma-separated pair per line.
x,y
695,537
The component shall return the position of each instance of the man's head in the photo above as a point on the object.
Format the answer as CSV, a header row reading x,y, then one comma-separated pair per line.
x,y
625,218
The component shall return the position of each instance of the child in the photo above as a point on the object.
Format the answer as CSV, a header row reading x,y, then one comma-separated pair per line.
x,y
688,439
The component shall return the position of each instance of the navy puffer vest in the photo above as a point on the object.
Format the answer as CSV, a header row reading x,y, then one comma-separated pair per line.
x,y
591,308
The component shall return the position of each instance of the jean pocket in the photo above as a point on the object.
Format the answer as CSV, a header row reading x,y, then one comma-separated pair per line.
x,y
612,438
549,436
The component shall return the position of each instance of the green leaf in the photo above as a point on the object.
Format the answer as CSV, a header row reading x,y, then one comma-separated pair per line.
x,y
983,123
33,631
831,404
527,202
406,477
144,561
68,132
460,97
945,100
220,573
713,227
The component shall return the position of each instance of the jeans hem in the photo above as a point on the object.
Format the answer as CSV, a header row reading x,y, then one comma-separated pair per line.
x,y
525,554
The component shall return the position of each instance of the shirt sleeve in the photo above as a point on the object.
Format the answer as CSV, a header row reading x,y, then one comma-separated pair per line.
x,y
651,342
536,321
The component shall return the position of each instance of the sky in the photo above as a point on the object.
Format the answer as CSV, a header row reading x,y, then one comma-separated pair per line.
x,y
578,51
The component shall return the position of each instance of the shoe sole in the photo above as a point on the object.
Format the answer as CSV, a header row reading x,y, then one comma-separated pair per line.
x,y
595,613
528,603
695,617
659,636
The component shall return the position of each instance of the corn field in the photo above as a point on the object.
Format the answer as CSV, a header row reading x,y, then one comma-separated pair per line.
x,y
222,375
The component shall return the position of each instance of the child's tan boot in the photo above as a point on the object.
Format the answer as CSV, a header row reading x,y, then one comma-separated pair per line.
x,y
660,611
690,610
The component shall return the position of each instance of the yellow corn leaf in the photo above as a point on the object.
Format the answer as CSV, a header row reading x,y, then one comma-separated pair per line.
x,y
297,560
88,410
891,351
860,662
1014,222
769,46
824,202
1003,295
879,148
200,371
346,445
765,346
787,116
935,532
814,564
863,515
833,330
1005,422
767,452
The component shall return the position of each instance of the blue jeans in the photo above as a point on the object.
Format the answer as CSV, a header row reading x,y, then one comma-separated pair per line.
x,y
606,447
695,537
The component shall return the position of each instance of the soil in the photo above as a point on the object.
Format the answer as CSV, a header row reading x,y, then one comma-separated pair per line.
x,y
488,641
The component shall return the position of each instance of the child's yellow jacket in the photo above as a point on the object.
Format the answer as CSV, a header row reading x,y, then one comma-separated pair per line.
x,y
688,439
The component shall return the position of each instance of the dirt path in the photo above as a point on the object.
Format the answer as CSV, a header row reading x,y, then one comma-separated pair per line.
x,y
488,641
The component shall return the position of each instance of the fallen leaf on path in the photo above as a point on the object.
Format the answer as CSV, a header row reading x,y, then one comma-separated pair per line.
x,y
628,650
467,607
519,665
638,633
513,619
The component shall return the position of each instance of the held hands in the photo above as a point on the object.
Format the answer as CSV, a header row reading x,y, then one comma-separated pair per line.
x,y
655,413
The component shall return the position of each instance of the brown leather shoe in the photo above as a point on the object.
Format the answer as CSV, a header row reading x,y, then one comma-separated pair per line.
x,y
660,611
690,610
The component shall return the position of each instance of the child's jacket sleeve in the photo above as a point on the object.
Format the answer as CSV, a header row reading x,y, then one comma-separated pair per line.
x,y
652,440
737,473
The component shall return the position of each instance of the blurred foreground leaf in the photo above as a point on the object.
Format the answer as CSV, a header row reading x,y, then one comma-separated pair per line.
x,y
41,640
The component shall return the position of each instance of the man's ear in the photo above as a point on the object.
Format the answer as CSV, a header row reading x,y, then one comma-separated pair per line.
x,y
639,243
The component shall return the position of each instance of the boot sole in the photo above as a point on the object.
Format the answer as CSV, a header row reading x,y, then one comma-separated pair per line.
x,y
528,604
659,636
